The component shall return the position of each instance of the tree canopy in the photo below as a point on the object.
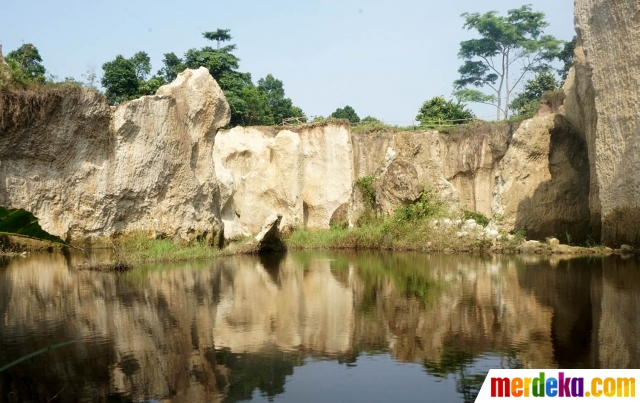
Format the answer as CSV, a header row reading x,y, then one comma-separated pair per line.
x,y
281,107
346,113
438,111
526,102
566,57
508,49
24,66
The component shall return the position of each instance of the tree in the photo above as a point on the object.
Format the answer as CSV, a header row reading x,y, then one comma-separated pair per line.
x,y
219,35
173,66
281,108
150,86
28,59
346,113
509,48
142,65
370,120
120,80
566,57
528,100
438,111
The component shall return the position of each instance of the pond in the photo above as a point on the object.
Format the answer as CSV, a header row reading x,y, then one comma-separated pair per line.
x,y
308,326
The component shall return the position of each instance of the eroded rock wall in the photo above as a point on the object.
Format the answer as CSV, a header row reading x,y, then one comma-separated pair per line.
x,y
542,184
608,82
86,170
304,173
459,166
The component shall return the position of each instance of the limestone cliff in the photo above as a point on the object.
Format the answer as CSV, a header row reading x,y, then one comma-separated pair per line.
x,y
542,184
304,173
459,165
86,170
604,104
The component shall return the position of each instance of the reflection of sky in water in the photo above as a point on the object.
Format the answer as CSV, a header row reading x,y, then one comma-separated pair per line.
x,y
376,378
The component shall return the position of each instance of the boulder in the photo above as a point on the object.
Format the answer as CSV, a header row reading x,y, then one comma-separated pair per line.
x,y
269,236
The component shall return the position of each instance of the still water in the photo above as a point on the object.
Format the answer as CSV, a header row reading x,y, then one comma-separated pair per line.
x,y
308,327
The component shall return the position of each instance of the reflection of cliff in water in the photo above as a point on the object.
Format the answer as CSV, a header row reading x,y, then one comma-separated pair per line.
x,y
214,330
596,305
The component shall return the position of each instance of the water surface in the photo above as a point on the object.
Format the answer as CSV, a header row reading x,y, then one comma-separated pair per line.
x,y
308,326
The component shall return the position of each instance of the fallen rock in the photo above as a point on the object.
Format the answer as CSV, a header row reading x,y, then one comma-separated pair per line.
x,y
626,249
269,237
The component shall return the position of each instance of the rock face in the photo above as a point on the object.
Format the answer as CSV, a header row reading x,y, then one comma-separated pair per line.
x,y
86,171
605,102
542,185
458,166
304,173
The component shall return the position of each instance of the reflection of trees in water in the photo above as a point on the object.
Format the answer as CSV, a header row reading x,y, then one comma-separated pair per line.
x,y
266,372
463,364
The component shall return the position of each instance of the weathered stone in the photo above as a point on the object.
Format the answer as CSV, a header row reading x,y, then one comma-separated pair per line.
x,y
89,170
304,175
458,166
605,106
269,235
542,185
261,172
553,241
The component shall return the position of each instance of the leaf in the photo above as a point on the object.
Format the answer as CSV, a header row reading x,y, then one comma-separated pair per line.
x,y
20,222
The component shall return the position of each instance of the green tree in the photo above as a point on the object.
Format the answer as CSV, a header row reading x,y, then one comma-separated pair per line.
x,y
346,113
173,66
219,35
120,80
150,86
142,65
256,110
27,58
566,57
281,107
526,102
438,111
508,49
370,120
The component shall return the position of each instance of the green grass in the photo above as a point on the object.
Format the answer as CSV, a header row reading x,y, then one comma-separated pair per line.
x,y
137,248
409,228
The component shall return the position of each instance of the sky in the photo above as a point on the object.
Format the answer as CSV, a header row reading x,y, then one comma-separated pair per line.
x,y
384,58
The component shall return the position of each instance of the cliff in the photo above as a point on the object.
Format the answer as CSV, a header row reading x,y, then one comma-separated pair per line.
x,y
603,103
162,164
88,170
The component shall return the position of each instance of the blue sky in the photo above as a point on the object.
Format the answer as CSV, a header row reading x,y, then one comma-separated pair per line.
x,y
382,57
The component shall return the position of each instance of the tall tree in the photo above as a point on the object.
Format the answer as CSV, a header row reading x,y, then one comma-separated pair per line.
x,y
28,59
508,49
219,35
346,113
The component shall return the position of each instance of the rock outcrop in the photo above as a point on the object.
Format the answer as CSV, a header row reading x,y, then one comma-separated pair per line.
x,y
304,173
604,101
542,185
458,165
86,171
